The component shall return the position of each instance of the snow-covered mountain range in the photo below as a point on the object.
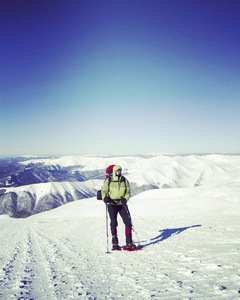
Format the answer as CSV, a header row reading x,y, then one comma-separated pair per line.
x,y
33,185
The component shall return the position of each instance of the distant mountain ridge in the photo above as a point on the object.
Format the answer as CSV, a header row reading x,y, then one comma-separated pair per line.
x,y
21,171
24,201
32,185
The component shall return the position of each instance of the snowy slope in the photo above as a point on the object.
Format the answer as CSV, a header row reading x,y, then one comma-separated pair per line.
x,y
191,239
31,199
40,190
190,235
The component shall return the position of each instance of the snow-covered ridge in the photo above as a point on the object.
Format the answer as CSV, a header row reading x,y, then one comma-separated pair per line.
x,y
31,199
182,170
40,190
81,176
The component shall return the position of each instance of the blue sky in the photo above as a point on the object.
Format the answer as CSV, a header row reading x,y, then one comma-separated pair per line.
x,y
119,77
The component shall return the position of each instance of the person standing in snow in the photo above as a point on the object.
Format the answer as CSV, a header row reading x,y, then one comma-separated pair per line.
x,y
116,193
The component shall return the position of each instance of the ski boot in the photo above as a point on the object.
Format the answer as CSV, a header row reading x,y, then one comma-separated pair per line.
x,y
131,246
115,247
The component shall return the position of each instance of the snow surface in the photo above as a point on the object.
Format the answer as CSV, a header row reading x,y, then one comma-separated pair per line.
x,y
190,238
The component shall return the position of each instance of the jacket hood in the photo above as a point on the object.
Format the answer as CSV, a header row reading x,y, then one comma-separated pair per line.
x,y
115,168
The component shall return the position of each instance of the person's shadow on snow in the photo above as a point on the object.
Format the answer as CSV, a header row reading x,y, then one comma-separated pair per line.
x,y
167,233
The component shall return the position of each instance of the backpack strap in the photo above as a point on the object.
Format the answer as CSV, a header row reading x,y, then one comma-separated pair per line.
x,y
123,179
109,181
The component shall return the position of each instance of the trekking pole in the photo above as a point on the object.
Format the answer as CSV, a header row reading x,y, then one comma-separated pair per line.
x,y
128,212
107,227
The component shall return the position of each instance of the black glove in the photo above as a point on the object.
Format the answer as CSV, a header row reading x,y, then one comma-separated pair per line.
x,y
107,199
124,201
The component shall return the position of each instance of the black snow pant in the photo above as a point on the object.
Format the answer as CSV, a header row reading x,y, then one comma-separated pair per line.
x,y
113,211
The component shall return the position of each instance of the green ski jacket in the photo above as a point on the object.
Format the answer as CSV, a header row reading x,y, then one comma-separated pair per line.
x,y
117,188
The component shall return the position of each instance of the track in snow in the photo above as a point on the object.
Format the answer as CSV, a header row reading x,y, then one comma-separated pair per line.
x,y
66,259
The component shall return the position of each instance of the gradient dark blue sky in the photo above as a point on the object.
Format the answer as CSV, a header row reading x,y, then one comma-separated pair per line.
x,y
119,77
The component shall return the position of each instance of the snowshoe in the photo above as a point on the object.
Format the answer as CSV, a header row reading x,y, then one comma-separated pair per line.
x,y
131,247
